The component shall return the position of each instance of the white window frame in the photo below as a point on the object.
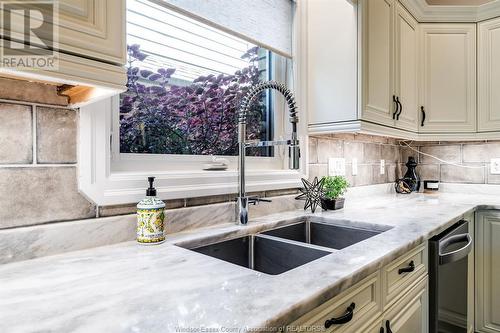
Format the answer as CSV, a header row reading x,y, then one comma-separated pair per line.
x,y
109,178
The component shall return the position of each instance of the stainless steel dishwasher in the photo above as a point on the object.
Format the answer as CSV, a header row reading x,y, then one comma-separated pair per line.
x,y
450,267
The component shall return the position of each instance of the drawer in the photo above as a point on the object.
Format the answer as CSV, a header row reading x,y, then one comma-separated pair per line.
x,y
399,276
366,298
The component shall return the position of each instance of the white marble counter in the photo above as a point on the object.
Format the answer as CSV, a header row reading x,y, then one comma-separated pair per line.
x,y
131,288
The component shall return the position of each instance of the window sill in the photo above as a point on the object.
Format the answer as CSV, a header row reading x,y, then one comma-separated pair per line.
x,y
127,187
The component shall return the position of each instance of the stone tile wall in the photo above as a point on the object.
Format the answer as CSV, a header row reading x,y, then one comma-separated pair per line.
x,y
476,155
366,149
38,170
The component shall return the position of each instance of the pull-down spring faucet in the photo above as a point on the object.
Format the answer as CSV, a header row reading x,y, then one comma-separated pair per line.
x,y
293,144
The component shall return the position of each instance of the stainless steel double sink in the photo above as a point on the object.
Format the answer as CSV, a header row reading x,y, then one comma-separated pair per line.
x,y
284,248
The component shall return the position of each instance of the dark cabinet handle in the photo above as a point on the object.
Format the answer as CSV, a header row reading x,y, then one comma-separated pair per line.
x,y
345,318
400,108
423,116
408,269
395,100
388,326
381,330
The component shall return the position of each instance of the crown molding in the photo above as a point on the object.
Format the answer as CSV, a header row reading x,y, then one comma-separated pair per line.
x,y
424,12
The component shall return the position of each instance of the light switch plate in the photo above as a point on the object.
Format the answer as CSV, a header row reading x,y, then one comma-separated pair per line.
x,y
495,166
382,167
336,167
354,166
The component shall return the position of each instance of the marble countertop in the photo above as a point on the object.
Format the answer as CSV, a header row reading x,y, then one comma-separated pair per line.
x,y
165,288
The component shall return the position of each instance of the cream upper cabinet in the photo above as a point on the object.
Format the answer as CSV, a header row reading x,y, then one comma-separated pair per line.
x,y
89,28
377,61
488,76
488,271
94,28
406,72
332,61
389,65
448,83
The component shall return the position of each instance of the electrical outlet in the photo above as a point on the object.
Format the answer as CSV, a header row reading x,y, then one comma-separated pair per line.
x,y
336,167
354,166
495,166
382,167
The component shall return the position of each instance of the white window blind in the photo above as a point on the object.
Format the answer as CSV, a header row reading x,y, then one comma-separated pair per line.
x,y
265,22
173,40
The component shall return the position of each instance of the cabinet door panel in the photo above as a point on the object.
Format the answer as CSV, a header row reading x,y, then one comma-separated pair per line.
x,y
406,79
378,57
488,272
489,76
89,28
448,77
332,66
410,314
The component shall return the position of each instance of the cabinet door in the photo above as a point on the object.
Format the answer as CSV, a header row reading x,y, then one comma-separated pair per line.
x,y
406,60
332,66
448,83
89,28
488,271
377,66
488,75
410,314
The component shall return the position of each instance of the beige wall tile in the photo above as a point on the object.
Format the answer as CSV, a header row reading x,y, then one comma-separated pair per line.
x,y
16,134
480,152
448,153
328,148
391,171
313,150
353,150
372,152
364,176
37,195
455,174
317,170
390,153
377,177
56,135
428,171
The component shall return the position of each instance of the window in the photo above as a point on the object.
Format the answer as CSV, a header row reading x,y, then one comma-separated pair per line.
x,y
190,63
185,84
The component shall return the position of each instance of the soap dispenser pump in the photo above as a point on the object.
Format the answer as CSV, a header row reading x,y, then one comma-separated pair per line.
x,y
150,217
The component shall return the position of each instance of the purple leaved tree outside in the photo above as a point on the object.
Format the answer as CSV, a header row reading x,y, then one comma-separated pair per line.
x,y
158,117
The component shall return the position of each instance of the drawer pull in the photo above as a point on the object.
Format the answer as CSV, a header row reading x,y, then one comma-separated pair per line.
x,y
408,269
381,330
388,326
345,318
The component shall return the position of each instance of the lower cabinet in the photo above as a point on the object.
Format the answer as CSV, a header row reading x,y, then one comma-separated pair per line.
x,y
487,252
365,307
409,315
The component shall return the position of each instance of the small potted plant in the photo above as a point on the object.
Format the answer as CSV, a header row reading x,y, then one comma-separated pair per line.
x,y
334,188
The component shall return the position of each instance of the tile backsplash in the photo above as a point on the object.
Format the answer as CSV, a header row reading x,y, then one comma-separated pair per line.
x,y
474,157
368,150
458,162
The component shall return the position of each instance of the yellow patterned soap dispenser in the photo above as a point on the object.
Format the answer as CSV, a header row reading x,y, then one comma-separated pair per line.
x,y
150,217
